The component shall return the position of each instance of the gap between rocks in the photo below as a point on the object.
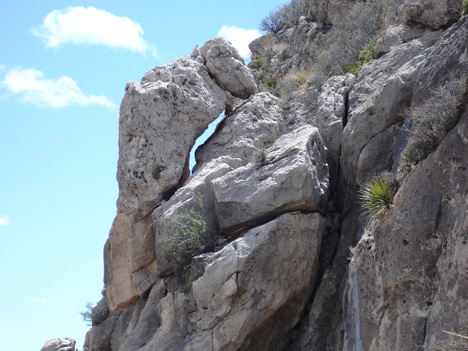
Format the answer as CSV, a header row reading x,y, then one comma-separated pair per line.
x,y
210,130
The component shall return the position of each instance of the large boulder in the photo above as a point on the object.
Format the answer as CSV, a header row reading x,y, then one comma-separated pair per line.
x,y
160,119
228,68
292,176
253,290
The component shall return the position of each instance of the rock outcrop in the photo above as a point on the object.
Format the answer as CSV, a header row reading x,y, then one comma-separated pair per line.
x,y
275,193
59,344
161,117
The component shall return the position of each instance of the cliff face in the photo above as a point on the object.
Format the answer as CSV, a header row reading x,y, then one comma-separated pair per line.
x,y
272,207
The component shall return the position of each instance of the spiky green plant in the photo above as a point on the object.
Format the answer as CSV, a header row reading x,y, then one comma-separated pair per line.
x,y
465,7
376,196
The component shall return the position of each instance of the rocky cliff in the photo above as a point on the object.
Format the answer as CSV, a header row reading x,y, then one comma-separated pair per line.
x,y
252,250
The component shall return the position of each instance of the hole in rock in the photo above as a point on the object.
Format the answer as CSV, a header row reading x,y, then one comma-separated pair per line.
x,y
202,138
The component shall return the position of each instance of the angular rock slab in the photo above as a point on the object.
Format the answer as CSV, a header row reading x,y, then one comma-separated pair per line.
x,y
293,177
228,68
254,125
253,290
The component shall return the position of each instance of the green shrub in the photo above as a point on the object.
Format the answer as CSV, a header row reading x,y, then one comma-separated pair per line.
x,y
376,196
156,173
431,121
465,7
270,82
350,42
260,156
355,67
191,239
95,314
365,56
286,15
257,63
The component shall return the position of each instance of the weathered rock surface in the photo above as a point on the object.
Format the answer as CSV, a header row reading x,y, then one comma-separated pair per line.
x,y
249,296
278,275
410,273
331,113
59,344
160,119
410,19
293,177
197,195
377,110
253,291
253,126
228,69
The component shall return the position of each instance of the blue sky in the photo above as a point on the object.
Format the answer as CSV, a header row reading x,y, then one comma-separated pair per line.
x,y
63,70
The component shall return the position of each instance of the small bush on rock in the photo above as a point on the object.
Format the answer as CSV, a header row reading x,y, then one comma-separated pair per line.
x,y
286,15
350,42
465,7
260,156
95,314
376,196
191,239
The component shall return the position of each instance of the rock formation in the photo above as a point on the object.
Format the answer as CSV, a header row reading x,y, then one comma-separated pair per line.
x,y
59,344
268,217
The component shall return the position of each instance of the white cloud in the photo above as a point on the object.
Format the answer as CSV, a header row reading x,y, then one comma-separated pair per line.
x,y
4,220
239,37
31,85
80,25
40,300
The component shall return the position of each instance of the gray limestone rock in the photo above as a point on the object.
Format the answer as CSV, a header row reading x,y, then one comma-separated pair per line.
x,y
410,19
253,290
228,68
254,125
197,195
293,176
409,271
331,112
160,119
377,109
59,344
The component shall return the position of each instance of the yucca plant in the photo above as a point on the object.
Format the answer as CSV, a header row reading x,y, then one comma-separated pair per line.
x,y
376,196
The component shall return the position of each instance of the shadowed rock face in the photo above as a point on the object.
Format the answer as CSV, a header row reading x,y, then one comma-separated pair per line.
x,y
279,274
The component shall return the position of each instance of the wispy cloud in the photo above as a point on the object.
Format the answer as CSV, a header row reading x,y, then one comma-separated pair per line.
x,y
38,300
98,263
4,220
88,25
239,37
31,85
